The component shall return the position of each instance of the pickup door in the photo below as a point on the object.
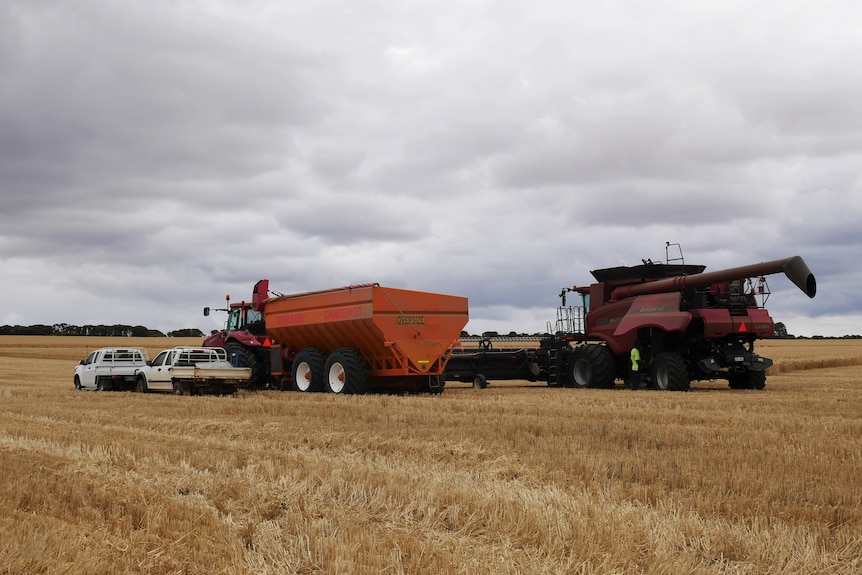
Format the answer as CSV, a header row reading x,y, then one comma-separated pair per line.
x,y
159,373
87,374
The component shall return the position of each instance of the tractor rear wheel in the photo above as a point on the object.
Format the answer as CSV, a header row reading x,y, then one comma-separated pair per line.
x,y
591,365
308,370
345,372
747,380
247,358
669,372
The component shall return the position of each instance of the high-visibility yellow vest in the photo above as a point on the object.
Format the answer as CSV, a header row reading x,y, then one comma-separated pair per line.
x,y
636,357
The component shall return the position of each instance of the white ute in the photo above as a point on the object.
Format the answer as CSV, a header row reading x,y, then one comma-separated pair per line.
x,y
192,371
110,369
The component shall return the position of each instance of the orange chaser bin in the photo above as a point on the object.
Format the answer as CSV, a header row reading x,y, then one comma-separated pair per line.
x,y
363,337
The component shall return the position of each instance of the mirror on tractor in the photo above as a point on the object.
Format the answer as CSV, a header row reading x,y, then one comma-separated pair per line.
x,y
206,311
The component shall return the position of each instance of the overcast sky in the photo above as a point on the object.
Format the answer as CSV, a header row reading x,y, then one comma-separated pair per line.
x,y
157,155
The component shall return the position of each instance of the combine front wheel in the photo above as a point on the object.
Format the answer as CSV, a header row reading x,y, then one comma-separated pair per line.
x,y
669,372
591,365
345,372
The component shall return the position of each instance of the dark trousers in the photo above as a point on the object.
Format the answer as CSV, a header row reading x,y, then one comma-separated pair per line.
x,y
636,379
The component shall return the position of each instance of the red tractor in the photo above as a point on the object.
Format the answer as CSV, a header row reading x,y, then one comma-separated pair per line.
x,y
244,336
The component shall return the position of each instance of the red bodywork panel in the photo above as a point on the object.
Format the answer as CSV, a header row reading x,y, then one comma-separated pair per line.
x,y
719,322
655,310
617,323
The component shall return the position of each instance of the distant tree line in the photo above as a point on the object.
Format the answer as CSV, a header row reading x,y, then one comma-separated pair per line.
x,y
117,330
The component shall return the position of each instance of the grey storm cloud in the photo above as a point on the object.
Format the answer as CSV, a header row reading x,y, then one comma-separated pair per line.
x,y
156,155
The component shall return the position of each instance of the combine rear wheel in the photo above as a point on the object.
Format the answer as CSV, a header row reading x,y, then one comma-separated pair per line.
x,y
308,370
345,372
747,380
669,372
591,365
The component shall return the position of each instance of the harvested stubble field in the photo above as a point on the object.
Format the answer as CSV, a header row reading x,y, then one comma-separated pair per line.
x,y
516,478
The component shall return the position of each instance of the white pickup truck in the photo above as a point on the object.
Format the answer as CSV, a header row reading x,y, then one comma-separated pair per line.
x,y
110,368
192,371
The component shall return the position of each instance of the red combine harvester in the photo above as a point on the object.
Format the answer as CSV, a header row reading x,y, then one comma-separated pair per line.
x,y
692,325
346,340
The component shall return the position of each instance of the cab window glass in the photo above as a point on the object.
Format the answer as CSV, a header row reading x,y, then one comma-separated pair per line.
x,y
160,359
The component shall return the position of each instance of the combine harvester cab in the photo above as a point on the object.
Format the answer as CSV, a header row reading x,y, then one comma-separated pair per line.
x,y
361,338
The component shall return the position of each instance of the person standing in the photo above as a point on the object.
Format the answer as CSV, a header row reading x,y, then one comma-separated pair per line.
x,y
637,361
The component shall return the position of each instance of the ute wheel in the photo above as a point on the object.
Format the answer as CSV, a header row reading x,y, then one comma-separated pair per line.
x,y
102,386
345,372
308,370
141,385
480,381
669,372
747,380
78,383
179,388
591,365
247,358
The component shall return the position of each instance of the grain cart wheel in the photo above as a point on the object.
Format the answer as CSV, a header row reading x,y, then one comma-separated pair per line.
x,y
480,381
747,380
141,385
308,370
345,372
591,365
669,372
